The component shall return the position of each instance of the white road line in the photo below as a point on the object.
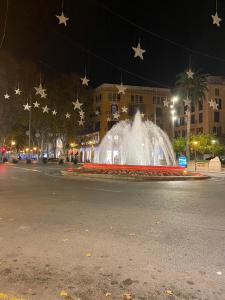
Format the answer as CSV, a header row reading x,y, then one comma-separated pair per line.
x,y
32,170
102,190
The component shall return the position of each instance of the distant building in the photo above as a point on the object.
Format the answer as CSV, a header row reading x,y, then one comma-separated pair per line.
x,y
204,119
107,102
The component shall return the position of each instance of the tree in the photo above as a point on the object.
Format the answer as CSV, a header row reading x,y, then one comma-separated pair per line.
x,y
202,143
179,145
191,88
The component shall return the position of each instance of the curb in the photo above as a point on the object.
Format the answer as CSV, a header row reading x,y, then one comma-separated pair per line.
x,y
133,178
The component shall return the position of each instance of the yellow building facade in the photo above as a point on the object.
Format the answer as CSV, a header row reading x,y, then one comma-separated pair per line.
x,y
148,100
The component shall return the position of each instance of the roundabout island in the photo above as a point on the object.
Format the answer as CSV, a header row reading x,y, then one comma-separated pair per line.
x,y
138,150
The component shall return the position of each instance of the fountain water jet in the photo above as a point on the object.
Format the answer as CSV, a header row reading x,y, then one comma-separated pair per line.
x,y
135,143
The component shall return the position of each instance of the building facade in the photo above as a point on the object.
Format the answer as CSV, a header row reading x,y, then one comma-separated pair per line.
x,y
107,101
148,100
205,119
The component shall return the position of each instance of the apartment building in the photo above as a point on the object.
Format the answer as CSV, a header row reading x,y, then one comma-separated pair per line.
x,y
108,103
148,100
205,118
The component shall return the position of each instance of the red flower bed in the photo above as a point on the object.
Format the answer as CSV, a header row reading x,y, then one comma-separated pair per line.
x,y
143,172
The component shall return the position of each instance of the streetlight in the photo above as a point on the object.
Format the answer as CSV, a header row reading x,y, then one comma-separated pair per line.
x,y
195,143
173,125
175,99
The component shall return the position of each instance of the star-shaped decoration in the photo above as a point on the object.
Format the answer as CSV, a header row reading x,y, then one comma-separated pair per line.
x,y
77,104
142,115
138,52
81,112
26,106
54,112
121,88
166,103
85,80
216,19
187,102
190,74
108,119
81,122
116,115
213,104
67,115
97,112
43,94
45,109
36,104
6,96
62,19
17,91
40,91
124,109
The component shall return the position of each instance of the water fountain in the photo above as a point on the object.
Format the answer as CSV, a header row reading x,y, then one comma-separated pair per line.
x,y
138,150
135,143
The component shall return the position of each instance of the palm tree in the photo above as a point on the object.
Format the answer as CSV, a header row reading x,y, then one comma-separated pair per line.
x,y
191,86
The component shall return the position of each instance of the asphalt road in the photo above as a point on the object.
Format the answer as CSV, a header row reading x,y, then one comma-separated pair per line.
x,y
93,240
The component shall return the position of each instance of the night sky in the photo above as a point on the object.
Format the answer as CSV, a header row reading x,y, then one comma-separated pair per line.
x,y
94,34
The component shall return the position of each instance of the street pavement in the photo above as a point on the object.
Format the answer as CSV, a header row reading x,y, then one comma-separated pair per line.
x,y
67,238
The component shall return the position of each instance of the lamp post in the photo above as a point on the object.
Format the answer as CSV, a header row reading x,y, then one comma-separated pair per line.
x,y
195,143
174,99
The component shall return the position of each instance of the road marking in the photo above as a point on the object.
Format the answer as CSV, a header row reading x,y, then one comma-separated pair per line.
x,y
102,190
32,170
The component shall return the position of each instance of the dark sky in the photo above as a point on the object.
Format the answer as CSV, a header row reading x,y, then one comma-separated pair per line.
x,y
33,33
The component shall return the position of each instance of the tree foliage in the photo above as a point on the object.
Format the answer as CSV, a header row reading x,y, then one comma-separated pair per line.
x,y
201,143
194,89
61,91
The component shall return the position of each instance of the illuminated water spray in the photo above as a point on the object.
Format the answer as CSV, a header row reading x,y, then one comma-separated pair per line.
x,y
135,143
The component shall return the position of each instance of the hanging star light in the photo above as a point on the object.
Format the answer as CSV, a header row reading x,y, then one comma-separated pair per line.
x,y
187,102
6,96
85,80
166,103
40,91
124,109
67,115
36,104
45,109
216,19
77,104
121,88
213,104
26,106
116,115
62,19
190,74
54,112
138,52
81,113
43,94
17,91
81,122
